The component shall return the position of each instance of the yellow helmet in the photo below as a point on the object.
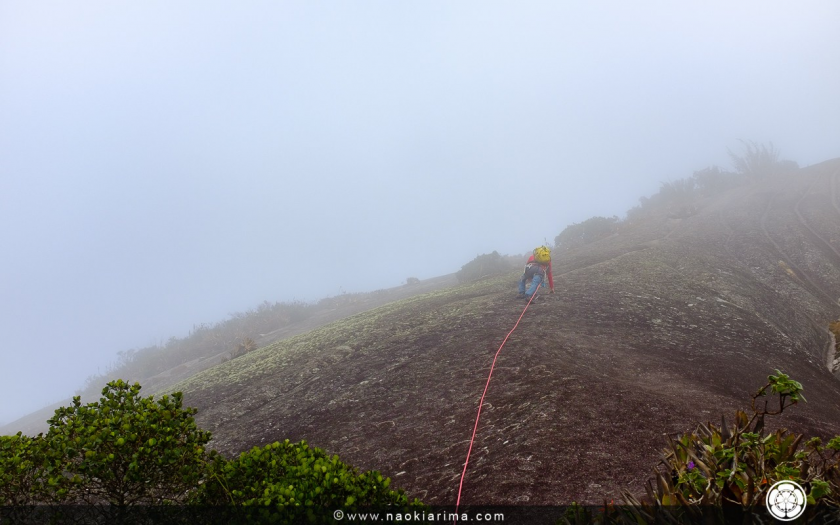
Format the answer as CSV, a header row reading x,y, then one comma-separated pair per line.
x,y
542,254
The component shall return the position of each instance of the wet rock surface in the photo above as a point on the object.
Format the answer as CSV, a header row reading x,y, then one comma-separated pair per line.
x,y
666,324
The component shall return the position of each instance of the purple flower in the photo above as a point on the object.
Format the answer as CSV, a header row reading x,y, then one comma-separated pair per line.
x,y
690,465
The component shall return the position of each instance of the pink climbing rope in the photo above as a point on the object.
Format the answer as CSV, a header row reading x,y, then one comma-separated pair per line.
x,y
481,403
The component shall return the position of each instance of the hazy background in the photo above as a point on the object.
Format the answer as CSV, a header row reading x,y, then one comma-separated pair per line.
x,y
164,164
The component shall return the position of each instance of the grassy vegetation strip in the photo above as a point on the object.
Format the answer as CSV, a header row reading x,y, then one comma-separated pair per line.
x,y
381,324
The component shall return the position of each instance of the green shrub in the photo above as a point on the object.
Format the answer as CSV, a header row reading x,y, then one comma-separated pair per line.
x,y
738,463
482,266
21,469
294,480
715,470
124,449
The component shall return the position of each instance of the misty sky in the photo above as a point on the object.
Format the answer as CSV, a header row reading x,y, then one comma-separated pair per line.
x,y
164,164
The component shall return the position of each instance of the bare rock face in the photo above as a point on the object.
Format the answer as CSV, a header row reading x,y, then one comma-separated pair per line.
x,y
664,325
676,319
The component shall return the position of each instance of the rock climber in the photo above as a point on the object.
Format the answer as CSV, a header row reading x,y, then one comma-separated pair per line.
x,y
538,271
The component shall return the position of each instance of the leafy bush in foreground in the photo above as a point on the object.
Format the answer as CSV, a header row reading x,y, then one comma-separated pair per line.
x,y
126,450
292,477
20,469
731,467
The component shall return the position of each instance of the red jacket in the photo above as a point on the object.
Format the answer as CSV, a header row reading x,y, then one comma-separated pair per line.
x,y
547,271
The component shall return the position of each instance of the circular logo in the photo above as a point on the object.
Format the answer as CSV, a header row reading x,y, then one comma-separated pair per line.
x,y
786,500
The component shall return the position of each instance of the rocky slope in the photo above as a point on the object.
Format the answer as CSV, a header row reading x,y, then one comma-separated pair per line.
x,y
667,323
339,307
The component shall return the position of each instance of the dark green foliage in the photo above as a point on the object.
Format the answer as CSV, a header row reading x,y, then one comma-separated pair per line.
x,y
708,473
482,266
588,231
124,449
127,451
736,464
21,459
293,475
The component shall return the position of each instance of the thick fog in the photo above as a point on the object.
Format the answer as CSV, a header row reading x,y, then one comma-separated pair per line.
x,y
164,164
